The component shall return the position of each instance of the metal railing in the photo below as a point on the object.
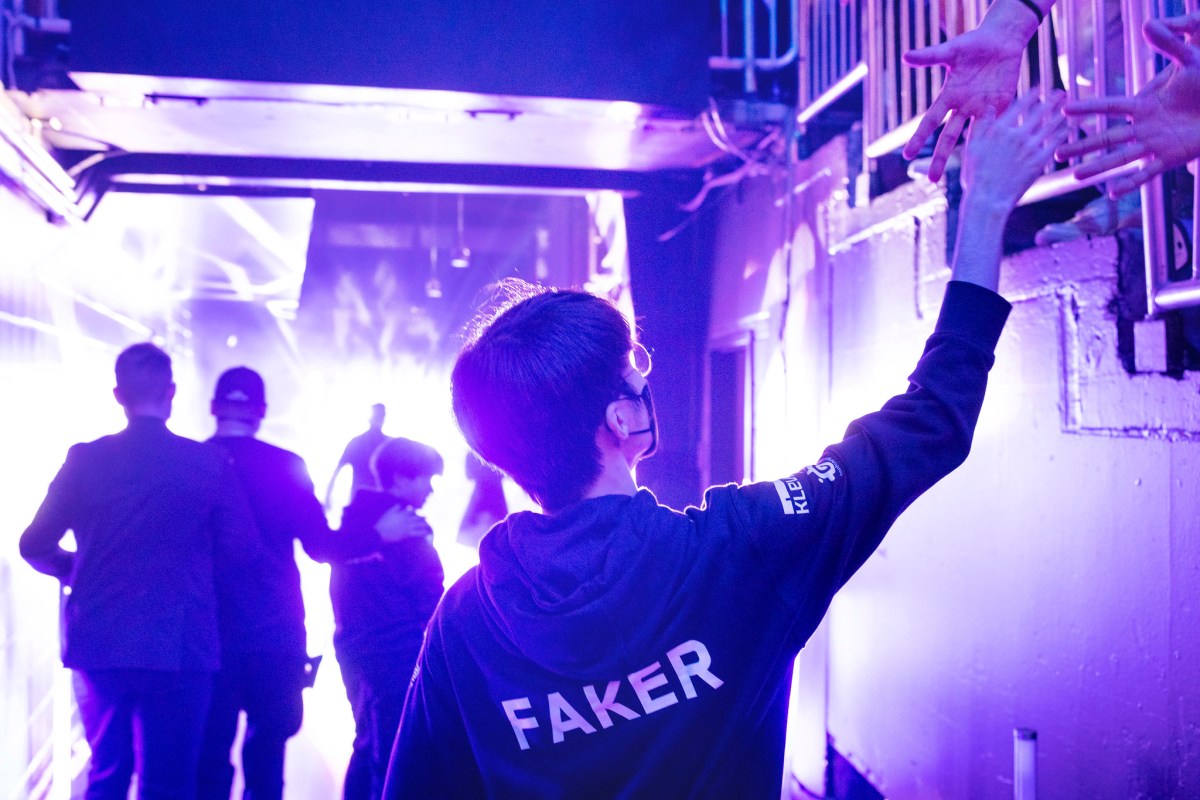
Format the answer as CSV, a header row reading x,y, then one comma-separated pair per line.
x,y
757,55
831,53
1163,293
1090,48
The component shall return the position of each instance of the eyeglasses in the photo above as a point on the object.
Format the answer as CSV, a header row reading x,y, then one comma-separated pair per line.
x,y
639,359
643,396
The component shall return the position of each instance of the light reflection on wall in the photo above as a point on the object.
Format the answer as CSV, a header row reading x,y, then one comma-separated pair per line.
x,y
58,339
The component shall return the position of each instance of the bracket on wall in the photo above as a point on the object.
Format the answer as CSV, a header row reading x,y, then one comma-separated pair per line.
x,y
1168,344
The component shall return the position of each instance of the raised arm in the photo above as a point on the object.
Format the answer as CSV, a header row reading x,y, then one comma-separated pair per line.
x,y
816,527
1164,117
982,70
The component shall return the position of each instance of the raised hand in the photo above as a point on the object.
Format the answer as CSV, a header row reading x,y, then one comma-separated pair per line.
x,y
983,66
1006,153
1164,117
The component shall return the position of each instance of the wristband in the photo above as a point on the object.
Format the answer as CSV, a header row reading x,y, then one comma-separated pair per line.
x,y
1037,12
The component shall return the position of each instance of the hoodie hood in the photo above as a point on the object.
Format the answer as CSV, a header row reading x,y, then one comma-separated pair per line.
x,y
574,591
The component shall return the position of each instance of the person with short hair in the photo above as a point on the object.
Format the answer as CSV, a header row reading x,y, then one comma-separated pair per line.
x,y
613,647
151,512
265,666
382,604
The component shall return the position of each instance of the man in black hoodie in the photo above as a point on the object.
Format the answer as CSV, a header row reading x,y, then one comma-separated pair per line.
x,y
612,647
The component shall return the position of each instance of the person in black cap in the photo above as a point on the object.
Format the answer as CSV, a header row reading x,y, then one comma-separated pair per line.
x,y
265,666
150,511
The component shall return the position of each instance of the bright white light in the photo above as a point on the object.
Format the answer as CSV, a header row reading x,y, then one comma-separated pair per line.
x,y
623,111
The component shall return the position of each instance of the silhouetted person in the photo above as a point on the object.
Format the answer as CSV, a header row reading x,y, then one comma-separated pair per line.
x,y
382,604
357,455
265,665
150,511
486,505
612,647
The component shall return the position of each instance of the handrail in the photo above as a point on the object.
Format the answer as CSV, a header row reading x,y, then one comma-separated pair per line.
x,y
751,62
896,97
830,52
1162,293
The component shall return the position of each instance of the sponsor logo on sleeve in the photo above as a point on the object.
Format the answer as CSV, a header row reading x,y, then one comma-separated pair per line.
x,y
826,470
791,494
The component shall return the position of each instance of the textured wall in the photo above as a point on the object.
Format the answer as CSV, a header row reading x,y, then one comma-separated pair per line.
x,y
1049,583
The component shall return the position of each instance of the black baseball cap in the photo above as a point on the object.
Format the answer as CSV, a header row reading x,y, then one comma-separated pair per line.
x,y
240,389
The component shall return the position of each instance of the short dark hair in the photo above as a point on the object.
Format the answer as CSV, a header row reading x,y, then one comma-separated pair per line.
x,y
532,385
143,373
404,458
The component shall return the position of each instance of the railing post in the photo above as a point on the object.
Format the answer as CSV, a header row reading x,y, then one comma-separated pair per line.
x,y
1139,62
749,79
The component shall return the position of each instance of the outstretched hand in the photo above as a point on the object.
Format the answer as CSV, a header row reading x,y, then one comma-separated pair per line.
x,y
398,524
1006,153
1164,117
982,70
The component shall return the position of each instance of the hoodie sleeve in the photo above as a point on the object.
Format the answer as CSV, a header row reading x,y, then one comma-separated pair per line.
x,y
815,528
432,755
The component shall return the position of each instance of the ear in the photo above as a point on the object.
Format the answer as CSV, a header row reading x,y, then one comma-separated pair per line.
x,y
117,395
616,418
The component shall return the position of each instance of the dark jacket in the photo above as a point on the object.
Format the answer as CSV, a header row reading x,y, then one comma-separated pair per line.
x,y
265,608
151,513
382,603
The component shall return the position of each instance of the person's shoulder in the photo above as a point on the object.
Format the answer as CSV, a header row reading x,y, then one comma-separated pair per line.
x,y
274,452
82,452
206,457
256,447
285,463
461,604
107,441
366,507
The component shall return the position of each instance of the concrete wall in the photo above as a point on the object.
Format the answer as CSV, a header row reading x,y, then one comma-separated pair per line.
x,y
1051,582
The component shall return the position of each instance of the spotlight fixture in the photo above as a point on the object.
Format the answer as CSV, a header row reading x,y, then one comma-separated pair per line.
x,y
462,254
433,286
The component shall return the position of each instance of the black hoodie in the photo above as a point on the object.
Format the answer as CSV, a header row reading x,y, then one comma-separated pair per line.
x,y
619,648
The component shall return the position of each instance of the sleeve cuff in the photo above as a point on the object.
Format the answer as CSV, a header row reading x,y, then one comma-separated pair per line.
x,y
973,313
